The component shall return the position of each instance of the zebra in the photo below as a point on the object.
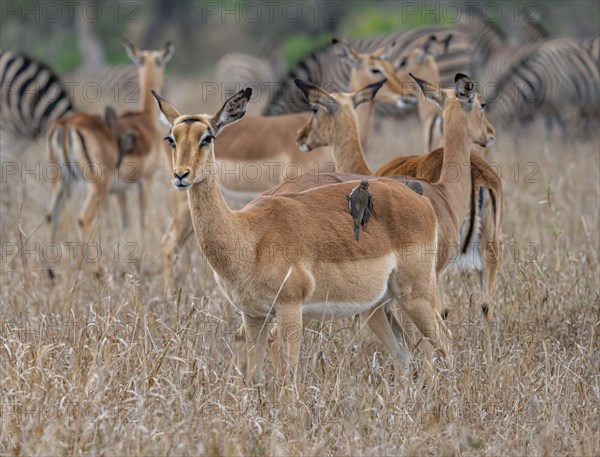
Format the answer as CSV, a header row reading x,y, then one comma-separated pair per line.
x,y
561,76
496,52
32,96
324,68
237,69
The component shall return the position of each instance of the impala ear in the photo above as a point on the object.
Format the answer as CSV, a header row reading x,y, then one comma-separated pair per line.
x,y
465,88
232,110
387,51
315,95
345,51
367,94
434,93
168,113
167,53
132,51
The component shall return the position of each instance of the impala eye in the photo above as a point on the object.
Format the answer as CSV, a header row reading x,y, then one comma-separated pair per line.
x,y
402,63
206,140
315,109
376,70
171,141
483,105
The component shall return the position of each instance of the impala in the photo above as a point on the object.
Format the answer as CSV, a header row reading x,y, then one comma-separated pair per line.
x,y
480,233
266,147
334,123
329,275
89,140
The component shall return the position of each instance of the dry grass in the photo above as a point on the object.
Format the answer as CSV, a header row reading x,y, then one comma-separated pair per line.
x,y
114,367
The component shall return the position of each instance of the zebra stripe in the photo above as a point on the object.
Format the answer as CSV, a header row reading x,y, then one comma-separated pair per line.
x,y
32,96
240,70
329,71
494,49
561,76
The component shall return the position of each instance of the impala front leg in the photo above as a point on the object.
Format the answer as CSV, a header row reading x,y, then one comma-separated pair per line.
x,y
290,336
257,332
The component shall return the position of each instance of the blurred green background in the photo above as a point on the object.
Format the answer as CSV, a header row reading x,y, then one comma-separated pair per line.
x,y
283,31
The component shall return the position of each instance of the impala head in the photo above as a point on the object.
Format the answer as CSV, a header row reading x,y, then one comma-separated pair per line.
x,y
420,62
332,113
369,68
463,105
191,137
150,62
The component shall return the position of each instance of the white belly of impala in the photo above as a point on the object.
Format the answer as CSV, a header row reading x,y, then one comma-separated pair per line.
x,y
337,310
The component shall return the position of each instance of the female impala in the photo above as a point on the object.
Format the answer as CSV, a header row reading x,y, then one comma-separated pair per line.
x,y
88,140
265,146
480,233
289,256
334,123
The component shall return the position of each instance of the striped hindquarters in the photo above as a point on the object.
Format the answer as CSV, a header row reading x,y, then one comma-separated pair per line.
x,y
561,77
241,70
32,96
326,69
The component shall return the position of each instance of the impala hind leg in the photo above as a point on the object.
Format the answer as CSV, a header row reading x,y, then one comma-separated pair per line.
x,y
392,335
96,196
122,200
420,304
56,205
143,201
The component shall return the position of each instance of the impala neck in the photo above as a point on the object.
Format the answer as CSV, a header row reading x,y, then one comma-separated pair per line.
x,y
364,112
218,230
150,78
364,115
455,176
348,151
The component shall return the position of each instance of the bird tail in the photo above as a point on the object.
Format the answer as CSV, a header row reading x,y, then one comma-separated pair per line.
x,y
356,230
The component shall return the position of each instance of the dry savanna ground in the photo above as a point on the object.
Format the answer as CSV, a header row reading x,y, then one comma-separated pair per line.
x,y
111,365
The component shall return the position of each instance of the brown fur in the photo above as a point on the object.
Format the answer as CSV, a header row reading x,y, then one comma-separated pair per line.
x,y
88,138
465,124
269,143
328,269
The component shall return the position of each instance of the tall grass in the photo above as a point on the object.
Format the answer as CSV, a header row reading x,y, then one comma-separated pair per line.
x,y
110,365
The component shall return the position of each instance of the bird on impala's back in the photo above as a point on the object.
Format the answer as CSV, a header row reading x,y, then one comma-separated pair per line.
x,y
360,202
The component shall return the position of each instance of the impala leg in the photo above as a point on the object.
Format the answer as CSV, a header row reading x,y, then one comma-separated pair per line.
x,y
395,340
96,196
178,232
421,305
142,202
56,204
122,200
290,336
257,332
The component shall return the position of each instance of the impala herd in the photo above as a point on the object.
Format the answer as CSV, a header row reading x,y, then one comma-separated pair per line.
x,y
390,276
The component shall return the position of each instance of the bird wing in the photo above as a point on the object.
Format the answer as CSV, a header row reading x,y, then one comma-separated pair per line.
x,y
368,210
354,207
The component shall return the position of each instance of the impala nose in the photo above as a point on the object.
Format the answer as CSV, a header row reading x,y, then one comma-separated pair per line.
x,y
181,176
